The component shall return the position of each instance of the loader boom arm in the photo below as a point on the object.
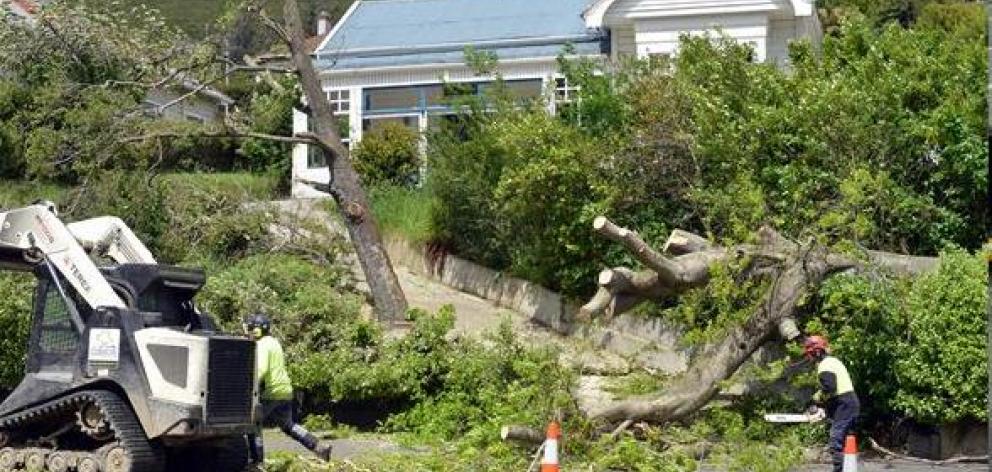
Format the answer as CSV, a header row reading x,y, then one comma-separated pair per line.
x,y
32,234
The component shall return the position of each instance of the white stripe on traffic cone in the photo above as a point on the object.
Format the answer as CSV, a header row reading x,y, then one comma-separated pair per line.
x,y
550,461
850,454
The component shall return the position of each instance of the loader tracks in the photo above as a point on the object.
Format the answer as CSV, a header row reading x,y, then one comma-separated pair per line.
x,y
122,448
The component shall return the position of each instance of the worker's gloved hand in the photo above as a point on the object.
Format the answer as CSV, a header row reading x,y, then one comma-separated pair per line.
x,y
818,397
812,410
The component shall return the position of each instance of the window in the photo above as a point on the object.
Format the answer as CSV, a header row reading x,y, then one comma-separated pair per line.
x,y
752,54
402,98
565,94
195,119
453,90
452,122
434,96
57,334
525,89
410,121
315,155
340,101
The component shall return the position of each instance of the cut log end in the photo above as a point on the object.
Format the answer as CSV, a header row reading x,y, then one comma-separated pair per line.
x,y
521,434
683,242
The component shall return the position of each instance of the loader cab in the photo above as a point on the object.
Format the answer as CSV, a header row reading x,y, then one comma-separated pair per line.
x,y
162,295
159,295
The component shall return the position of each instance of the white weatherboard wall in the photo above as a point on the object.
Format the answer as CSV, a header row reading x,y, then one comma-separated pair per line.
x,y
662,36
649,27
301,169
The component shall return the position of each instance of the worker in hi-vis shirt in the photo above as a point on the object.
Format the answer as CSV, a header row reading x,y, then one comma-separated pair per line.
x,y
276,391
835,393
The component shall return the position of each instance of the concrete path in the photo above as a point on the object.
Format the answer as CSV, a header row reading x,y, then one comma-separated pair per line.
x,y
342,449
473,314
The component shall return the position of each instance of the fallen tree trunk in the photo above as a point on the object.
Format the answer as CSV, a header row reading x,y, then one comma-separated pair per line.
x,y
795,271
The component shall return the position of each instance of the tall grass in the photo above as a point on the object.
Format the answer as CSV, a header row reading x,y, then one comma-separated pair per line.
x,y
252,186
18,193
404,212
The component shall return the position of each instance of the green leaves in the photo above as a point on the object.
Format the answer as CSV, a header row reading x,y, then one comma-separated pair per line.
x,y
388,155
943,365
16,290
916,348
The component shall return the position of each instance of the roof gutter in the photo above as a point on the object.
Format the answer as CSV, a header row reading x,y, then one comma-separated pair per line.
x,y
449,47
330,72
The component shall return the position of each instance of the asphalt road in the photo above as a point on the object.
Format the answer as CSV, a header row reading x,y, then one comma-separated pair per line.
x,y
902,466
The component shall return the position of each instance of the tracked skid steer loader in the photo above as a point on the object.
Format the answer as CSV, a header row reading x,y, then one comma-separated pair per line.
x,y
123,373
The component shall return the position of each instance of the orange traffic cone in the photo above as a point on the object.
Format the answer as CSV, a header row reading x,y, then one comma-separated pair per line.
x,y
550,461
850,454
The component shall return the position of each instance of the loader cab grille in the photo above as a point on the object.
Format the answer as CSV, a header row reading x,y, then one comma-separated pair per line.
x,y
54,339
230,381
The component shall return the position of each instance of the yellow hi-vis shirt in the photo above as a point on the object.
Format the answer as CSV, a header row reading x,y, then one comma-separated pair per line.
x,y
834,366
270,363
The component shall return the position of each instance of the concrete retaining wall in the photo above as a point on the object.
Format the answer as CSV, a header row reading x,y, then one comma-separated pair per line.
x,y
946,441
648,341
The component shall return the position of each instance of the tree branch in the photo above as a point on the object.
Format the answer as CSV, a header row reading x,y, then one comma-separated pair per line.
x,y
954,460
220,135
666,269
273,25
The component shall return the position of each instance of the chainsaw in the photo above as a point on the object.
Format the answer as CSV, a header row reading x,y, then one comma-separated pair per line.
x,y
814,416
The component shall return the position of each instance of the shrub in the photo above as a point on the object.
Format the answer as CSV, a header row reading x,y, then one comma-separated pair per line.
x,y
720,146
298,294
15,320
943,362
182,216
270,111
134,198
388,155
915,348
519,194
465,163
485,385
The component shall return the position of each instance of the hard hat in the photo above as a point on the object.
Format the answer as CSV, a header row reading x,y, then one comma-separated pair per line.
x,y
812,344
260,321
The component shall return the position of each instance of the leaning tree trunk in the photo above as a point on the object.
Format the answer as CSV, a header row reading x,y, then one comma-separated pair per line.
x,y
345,186
795,271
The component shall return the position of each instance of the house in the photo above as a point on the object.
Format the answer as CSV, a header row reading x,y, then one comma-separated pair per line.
x,y
188,100
386,60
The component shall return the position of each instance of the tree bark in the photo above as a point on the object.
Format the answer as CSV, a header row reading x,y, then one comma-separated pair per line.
x,y
345,186
719,360
521,434
685,263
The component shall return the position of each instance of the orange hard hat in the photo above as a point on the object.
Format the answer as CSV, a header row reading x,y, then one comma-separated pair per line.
x,y
813,344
